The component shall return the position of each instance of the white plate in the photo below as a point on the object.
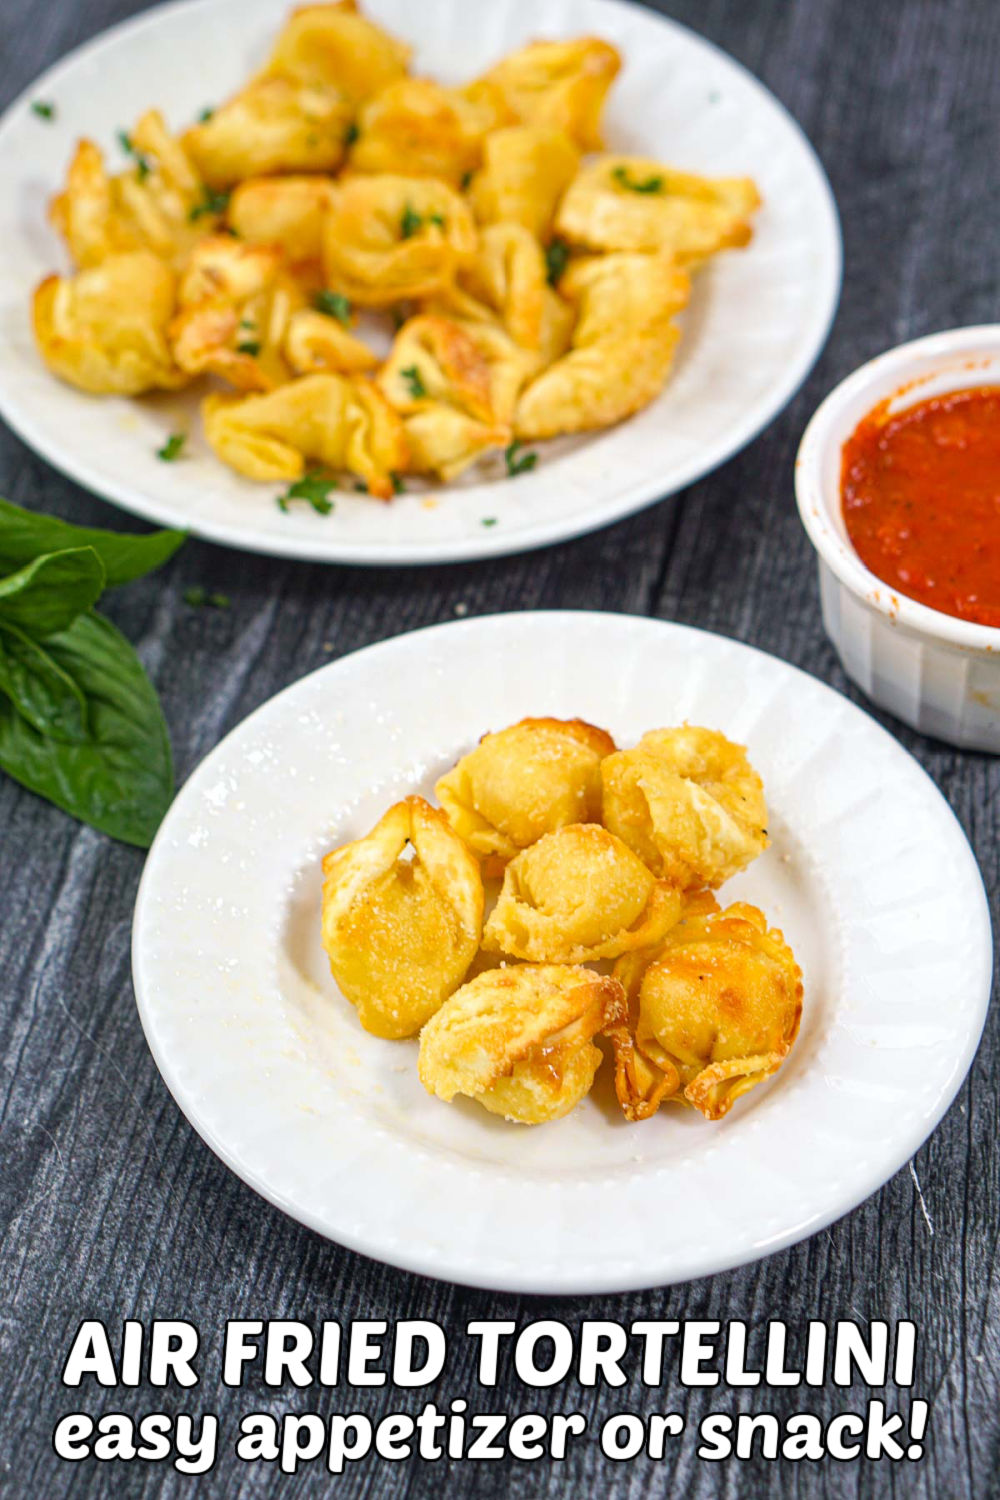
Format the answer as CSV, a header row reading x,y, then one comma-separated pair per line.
x,y
758,319
869,875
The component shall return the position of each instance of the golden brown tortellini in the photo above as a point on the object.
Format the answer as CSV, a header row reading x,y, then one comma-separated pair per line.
x,y
387,238
579,894
158,203
285,211
315,341
417,128
455,387
525,781
688,802
105,329
273,125
622,345
633,203
334,44
558,85
526,169
713,1013
235,301
336,421
402,914
520,1040
506,282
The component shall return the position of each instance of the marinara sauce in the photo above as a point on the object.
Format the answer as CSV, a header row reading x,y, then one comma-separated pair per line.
x,y
921,497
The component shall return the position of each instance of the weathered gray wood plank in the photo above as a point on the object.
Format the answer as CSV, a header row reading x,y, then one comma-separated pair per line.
x,y
111,1205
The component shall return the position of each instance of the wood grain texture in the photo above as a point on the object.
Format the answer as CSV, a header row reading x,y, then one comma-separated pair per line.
x,y
111,1205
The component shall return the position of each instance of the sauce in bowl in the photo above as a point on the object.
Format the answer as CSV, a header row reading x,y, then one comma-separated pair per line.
x,y
920,490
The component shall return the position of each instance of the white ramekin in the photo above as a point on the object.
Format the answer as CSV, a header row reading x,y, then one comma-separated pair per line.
x,y
938,673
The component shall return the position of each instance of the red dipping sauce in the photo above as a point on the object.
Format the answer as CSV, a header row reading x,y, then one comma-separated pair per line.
x,y
921,498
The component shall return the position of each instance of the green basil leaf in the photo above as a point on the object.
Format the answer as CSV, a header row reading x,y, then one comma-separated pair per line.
x,y
26,533
120,780
47,595
39,689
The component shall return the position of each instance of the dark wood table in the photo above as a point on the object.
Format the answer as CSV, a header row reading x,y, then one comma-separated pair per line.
x,y
113,1208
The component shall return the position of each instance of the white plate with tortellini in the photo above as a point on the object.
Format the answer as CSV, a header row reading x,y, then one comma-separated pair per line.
x,y
403,285
562,952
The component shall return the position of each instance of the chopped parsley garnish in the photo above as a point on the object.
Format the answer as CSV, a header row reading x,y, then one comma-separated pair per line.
x,y
215,201
398,318
351,134
143,166
466,179
314,489
43,109
335,305
437,219
172,447
489,520
248,346
650,185
198,596
516,461
556,260
398,487
410,222
206,114
414,380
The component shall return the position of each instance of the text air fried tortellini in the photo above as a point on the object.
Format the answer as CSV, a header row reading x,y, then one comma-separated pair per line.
x,y
579,894
688,802
632,203
158,203
523,782
336,421
622,346
105,329
526,169
520,1039
387,238
417,128
402,914
335,45
713,1014
273,125
560,85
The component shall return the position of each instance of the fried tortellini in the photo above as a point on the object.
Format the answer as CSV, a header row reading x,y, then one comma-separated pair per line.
x,y
577,894
402,915
633,203
105,329
520,1040
334,44
273,125
340,421
387,238
158,203
526,169
558,85
688,802
713,1012
464,275
622,346
525,781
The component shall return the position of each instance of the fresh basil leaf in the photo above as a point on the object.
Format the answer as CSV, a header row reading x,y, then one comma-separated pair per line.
x,y
120,780
26,533
39,689
47,595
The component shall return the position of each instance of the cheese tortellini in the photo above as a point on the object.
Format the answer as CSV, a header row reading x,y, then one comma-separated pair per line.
x,y
402,914
702,1004
632,203
523,782
520,1040
714,1011
105,329
688,802
579,894
449,263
